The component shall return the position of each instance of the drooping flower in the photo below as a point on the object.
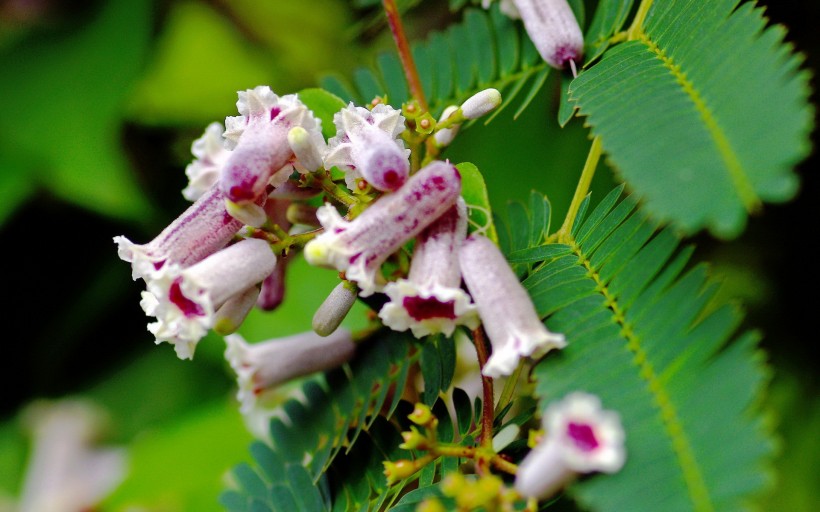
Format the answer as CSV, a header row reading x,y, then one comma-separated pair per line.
x,y
368,145
580,437
261,154
202,229
554,31
431,300
211,154
184,300
360,246
66,472
506,310
273,287
263,366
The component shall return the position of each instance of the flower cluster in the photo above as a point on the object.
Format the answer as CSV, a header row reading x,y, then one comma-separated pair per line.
x,y
268,186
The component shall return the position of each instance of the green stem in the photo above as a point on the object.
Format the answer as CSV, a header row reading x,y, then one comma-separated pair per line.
x,y
405,55
509,388
636,29
564,234
323,180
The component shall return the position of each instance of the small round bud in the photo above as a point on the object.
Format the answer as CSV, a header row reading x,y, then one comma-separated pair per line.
x,y
431,505
481,103
249,213
413,440
421,415
425,124
399,470
306,151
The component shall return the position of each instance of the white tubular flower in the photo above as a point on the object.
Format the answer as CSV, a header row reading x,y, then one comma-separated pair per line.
x,y
580,438
554,31
258,138
480,103
431,300
65,472
506,310
184,300
260,367
211,154
360,246
334,309
202,229
445,136
368,145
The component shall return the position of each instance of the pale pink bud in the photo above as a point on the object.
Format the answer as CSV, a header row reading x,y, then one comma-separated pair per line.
x,y
262,366
431,300
505,308
554,31
368,145
229,317
580,437
204,228
360,246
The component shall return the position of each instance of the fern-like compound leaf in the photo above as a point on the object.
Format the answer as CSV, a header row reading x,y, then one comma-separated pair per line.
x,y
646,335
704,114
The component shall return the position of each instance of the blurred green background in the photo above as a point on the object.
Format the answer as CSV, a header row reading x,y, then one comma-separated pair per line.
x,y
99,103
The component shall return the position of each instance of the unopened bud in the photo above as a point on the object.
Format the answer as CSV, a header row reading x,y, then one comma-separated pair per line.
x,y
399,470
481,103
554,31
306,150
421,415
248,213
445,136
302,213
230,315
334,309
425,124
413,440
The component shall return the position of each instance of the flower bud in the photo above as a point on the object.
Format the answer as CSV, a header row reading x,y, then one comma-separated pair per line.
x,y
481,103
445,136
334,309
554,31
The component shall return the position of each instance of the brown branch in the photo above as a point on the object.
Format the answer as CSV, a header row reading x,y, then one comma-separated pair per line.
x,y
405,55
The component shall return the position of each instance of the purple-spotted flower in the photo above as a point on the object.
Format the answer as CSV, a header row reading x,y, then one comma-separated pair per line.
x,y
506,310
261,154
554,31
211,154
580,437
260,367
202,229
368,146
431,300
185,300
360,246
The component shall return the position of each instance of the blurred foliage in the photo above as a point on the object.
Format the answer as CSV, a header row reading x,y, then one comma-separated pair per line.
x,y
78,87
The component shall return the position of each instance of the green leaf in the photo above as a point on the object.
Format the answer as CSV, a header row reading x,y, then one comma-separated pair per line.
x,y
732,120
62,97
324,105
647,338
609,18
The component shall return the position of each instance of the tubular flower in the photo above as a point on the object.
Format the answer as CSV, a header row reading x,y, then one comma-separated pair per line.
x,y
261,154
360,246
211,154
506,310
202,229
262,366
368,145
554,31
431,300
66,472
184,301
580,438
